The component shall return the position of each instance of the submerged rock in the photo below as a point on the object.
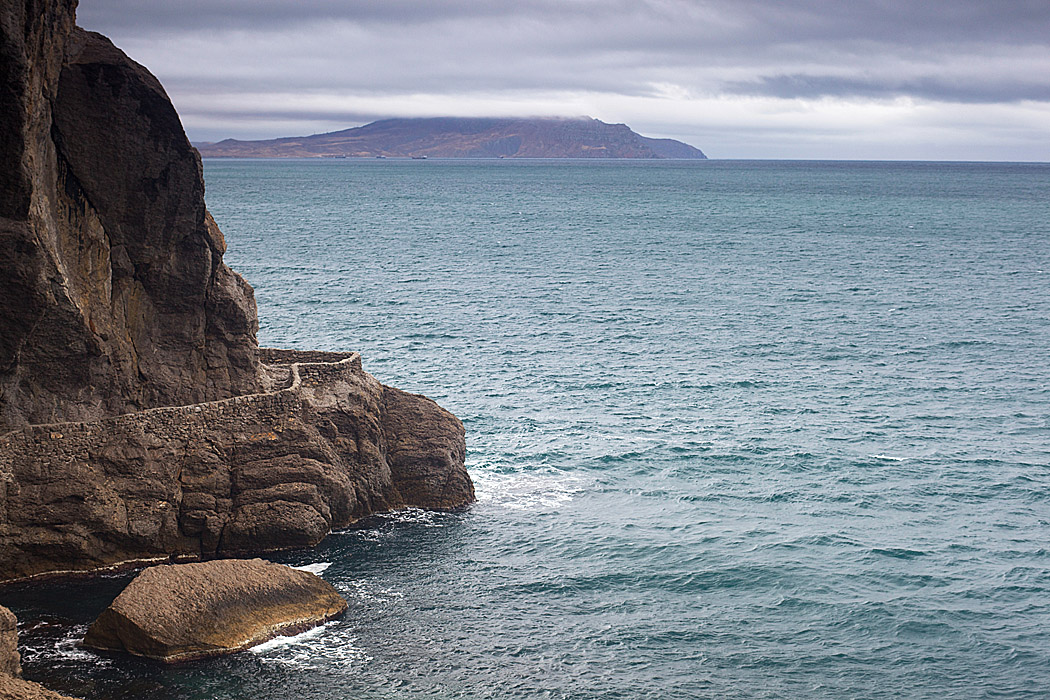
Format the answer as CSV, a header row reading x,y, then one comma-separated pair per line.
x,y
182,612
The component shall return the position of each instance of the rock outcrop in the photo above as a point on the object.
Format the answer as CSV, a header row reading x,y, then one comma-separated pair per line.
x,y
9,659
139,420
273,470
11,686
114,296
183,612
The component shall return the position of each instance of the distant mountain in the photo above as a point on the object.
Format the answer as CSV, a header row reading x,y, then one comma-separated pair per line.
x,y
457,137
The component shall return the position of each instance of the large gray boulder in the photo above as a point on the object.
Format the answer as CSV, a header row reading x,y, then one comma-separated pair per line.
x,y
183,612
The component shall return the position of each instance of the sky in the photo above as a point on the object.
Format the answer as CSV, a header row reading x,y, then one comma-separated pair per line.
x,y
807,79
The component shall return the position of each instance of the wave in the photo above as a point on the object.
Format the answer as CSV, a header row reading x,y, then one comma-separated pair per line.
x,y
290,640
316,569
544,489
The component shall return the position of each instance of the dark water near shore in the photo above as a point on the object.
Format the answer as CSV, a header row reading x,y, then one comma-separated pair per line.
x,y
739,430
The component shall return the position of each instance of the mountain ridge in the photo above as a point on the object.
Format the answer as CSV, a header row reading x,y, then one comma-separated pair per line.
x,y
463,137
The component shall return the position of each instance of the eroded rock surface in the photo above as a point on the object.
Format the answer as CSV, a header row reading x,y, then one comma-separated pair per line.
x,y
275,470
139,421
113,293
12,688
9,659
189,611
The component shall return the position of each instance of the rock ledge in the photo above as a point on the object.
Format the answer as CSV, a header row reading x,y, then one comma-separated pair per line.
x,y
325,446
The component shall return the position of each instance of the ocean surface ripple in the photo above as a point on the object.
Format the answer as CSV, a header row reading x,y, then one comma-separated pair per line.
x,y
738,429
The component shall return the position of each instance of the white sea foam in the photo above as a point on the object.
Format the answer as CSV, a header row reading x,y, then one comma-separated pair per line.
x,y
419,516
321,647
887,458
367,590
317,568
290,640
544,489
65,649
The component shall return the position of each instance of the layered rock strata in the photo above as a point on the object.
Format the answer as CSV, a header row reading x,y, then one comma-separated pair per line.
x,y
184,612
139,420
273,470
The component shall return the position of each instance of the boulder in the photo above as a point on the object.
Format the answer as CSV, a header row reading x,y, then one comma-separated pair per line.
x,y
182,612
12,688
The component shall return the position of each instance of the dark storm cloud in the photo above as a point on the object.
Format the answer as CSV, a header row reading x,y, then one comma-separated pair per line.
x,y
755,21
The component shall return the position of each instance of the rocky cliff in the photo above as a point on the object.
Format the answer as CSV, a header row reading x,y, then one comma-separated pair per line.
x,y
458,137
138,418
114,297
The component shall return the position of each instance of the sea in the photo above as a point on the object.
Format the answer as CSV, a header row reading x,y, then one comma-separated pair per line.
x,y
739,430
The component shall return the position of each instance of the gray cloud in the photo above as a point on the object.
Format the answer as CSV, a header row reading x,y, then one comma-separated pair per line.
x,y
218,56
931,88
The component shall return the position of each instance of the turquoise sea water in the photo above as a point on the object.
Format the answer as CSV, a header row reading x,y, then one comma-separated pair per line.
x,y
738,429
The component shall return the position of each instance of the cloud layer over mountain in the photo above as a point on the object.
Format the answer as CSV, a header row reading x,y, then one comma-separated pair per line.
x,y
961,79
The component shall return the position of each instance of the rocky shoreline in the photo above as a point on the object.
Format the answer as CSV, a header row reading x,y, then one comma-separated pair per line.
x,y
139,420
327,446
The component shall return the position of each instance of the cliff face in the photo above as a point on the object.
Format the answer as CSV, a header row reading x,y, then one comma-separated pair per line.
x,y
456,137
115,297
138,419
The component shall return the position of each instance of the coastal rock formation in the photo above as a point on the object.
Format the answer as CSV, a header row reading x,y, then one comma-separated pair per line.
x,y
11,686
191,611
114,297
139,420
464,137
273,470
9,659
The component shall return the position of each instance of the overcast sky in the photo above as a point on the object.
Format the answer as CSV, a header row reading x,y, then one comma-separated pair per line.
x,y
896,79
